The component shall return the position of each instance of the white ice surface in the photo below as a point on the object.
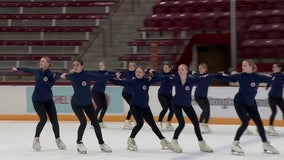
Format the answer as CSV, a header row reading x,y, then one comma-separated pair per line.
x,y
16,143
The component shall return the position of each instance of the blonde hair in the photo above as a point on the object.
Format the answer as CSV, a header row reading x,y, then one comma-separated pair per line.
x,y
252,64
184,65
48,60
204,65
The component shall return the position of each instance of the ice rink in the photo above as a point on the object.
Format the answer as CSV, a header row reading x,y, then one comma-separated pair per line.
x,y
16,143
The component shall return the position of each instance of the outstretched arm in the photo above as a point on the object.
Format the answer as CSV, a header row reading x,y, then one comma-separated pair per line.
x,y
26,70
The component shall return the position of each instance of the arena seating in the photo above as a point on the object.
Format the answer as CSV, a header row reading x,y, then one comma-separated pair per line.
x,y
259,24
54,57
46,28
147,57
32,29
60,3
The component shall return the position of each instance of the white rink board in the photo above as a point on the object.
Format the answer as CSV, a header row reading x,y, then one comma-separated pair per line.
x,y
14,101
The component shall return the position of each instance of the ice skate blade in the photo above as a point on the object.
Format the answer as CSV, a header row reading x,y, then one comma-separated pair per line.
x,y
62,148
205,132
82,152
107,151
270,152
127,128
177,151
237,153
273,134
208,151
132,149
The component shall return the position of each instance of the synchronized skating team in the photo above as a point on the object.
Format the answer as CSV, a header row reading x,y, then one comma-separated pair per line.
x,y
136,82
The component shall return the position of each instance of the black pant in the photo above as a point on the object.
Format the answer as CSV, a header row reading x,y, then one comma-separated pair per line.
x,y
273,102
46,108
101,102
246,113
203,103
139,115
166,103
189,111
127,98
91,113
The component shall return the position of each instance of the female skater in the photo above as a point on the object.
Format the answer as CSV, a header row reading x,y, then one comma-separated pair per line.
x,y
98,93
43,100
182,102
165,98
139,106
275,97
200,96
126,92
81,103
245,106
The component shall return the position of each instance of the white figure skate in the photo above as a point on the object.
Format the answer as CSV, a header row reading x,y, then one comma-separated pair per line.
x,y
204,147
81,148
236,148
131,144
127,125
268,148
175,146
60,144
169,126
105,148
36,144
165,144
271,131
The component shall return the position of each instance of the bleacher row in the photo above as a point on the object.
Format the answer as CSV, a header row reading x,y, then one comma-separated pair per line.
x,y
59,29
259,27
29,29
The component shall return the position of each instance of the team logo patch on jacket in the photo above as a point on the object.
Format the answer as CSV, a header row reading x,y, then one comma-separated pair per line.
x,y
45,79
252,84
187,88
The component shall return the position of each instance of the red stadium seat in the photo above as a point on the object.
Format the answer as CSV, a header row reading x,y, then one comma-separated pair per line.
x,y
256,31
175,7
152,20
223,21
267,48
195,22
181,20
280,48
248,48
161,7
257,17
275,16
274,30
166,20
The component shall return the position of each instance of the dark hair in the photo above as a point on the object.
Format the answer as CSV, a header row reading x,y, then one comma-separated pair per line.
x,y
140,68
80,61
279,65
167,64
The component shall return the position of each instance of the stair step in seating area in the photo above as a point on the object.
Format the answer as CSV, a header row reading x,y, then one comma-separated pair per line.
x,y
60,29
